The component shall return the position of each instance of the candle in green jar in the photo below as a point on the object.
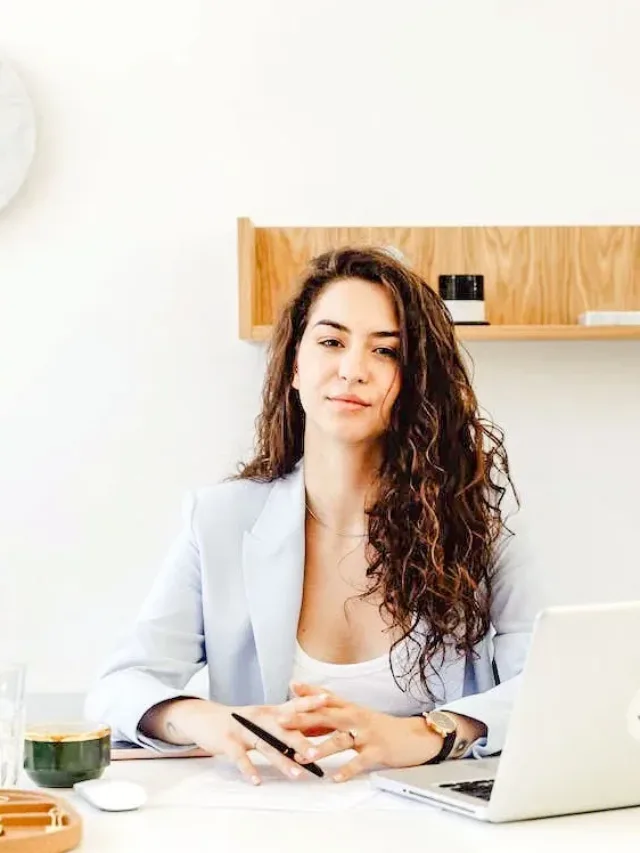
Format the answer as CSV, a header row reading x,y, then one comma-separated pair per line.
x,y
57,755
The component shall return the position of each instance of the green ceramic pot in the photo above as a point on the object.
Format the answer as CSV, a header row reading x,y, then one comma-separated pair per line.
x,y
58,755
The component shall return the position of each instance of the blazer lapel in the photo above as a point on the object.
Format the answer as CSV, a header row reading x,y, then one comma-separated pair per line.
x,y
273,565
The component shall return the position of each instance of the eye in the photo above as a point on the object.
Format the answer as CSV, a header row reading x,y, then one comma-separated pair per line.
x,y
330,343
388,352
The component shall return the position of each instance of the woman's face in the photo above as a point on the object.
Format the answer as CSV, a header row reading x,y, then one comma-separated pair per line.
x,y
348,370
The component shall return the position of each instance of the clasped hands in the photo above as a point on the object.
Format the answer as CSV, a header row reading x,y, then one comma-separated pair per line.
x,y
379,740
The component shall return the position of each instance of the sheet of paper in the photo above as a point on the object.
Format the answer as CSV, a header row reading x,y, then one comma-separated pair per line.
x,y
220,786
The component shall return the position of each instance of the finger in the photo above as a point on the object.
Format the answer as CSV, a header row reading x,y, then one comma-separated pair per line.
x,y
317,731
304,703
300,746
285,765
294,738
334,719
300,689
237,752
338,742
352,768
298,741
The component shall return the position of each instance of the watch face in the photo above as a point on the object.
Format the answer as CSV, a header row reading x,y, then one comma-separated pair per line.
x,y
443,721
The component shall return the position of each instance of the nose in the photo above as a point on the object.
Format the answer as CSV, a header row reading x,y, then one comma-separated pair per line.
x,y
353,366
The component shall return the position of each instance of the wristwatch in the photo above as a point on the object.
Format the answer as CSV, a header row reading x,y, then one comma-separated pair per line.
x,y
444,725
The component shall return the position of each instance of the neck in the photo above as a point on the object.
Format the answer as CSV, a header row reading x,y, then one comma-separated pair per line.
x,y
340,482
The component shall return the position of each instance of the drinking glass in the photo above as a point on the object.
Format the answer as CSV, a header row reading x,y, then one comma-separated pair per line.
x,y
12,711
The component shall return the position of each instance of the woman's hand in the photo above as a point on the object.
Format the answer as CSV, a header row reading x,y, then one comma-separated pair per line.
x,y
379,739
210,726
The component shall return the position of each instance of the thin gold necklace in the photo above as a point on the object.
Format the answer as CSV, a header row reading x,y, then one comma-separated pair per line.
x,y
332,529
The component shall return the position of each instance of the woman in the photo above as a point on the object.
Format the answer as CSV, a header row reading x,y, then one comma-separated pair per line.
x,y
364,552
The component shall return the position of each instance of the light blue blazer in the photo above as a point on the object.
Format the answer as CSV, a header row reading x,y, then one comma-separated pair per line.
x,y
229,595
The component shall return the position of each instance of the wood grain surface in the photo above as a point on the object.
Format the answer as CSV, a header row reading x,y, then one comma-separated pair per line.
x,y
538,279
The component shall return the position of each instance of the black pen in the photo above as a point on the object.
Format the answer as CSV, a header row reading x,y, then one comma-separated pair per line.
x,y
287,751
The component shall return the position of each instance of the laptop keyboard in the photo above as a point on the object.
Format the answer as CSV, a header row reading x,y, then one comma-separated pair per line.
x,y
480,788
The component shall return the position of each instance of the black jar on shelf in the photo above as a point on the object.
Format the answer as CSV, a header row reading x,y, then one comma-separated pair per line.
x,y
464,297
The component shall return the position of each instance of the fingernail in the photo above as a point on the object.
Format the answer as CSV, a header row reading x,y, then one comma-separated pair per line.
x,y
338,777
284,719
311,753
323,697
296,771
255,780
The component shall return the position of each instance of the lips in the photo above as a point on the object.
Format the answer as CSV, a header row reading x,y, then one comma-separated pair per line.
x,y
350,398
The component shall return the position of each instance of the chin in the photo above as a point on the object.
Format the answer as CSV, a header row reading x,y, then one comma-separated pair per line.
x,y
352,436
344,430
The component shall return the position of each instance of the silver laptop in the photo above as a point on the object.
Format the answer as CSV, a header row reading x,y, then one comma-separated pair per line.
x,y
573,743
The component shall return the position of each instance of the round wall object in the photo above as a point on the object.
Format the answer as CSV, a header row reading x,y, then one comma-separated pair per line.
x,y
17,133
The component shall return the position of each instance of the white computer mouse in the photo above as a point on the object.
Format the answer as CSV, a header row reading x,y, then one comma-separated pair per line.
x,y
112,795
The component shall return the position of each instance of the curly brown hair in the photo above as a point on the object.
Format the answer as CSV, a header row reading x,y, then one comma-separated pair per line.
x,y
434,527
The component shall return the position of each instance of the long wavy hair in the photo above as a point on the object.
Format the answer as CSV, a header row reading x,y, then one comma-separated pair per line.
x,y
433,530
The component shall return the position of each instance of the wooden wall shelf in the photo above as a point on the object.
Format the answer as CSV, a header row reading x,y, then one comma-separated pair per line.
x,y
538,279
547,332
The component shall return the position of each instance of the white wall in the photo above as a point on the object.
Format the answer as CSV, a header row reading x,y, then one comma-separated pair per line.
x,y
122,379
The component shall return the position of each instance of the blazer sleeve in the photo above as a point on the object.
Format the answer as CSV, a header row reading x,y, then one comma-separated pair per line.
x,y
164,651
516,598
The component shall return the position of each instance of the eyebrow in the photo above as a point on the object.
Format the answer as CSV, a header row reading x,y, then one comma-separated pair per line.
x,y
342,328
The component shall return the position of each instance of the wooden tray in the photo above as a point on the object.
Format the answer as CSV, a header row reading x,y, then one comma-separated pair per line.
x,y
35,822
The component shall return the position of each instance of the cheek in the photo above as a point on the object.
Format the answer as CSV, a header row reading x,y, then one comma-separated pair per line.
x,y
312,371
310,380
393,387
387,402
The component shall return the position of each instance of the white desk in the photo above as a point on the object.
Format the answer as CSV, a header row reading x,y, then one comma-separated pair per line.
x,y
423,829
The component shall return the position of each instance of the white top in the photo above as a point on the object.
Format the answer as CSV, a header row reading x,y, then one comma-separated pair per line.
x,y
369,683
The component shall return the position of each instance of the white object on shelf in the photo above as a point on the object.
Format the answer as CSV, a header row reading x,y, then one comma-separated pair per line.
x,y
466,310
609,318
